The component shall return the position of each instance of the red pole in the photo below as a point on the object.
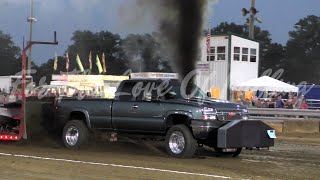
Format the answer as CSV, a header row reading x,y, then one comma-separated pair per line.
x,y
22,127
23,87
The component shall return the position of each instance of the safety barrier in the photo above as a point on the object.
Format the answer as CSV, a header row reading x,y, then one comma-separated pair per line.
x,y
313,103
276,113
288,120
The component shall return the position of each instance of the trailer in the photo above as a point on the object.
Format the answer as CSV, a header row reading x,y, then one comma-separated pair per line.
x,y
11,128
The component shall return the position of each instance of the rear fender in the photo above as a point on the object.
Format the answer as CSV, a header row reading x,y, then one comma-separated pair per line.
x,y
86,114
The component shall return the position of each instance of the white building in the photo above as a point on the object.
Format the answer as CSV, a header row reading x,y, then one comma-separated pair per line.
x,y
232,60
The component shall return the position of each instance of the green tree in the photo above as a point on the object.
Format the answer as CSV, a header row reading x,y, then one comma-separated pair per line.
x,y
97,43
9,56
303,48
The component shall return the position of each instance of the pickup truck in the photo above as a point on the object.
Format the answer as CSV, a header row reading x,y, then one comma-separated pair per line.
x,y
152,107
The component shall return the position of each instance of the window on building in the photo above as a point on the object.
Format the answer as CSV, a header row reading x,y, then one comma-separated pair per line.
x,y
221,53
253,55
211,56
245,52
236,53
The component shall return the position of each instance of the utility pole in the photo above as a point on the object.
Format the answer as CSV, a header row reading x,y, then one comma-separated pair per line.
x,y
251,30
250,21
31,20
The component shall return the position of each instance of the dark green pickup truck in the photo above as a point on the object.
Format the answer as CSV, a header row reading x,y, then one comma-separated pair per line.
x,y
162,108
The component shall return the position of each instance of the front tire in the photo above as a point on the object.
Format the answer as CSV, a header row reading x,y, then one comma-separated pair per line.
x,y
180,142
75,133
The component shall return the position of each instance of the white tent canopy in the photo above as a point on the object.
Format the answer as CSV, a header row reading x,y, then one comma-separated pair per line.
x,y
265,83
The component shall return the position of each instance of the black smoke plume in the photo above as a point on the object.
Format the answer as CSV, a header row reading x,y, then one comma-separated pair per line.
x,y
180,23
181,27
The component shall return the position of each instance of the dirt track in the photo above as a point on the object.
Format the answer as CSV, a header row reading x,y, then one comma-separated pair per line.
x,y
291,158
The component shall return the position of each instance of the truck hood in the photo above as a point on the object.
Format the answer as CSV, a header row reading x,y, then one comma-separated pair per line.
x,y
213,103
217,103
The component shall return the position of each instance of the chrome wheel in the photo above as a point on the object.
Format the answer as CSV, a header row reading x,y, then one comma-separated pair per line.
x,y
72,136
176,142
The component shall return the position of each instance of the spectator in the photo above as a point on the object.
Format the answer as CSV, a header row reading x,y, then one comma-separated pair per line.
x,y
258,103
294,102
289,103
304,104
272,103
248,103
242,101
279,102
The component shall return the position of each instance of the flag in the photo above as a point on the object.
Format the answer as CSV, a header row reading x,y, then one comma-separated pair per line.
x,y
67,62
90,61
208,39
104,63
98,64
79,63
55,62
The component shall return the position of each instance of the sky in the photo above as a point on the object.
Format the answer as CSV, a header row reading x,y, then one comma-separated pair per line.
x,y
123,17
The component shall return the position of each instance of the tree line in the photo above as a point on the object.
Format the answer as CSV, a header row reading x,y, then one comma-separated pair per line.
x,y
299,57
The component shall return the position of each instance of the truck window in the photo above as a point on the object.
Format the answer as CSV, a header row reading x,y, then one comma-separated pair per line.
x,y
125,93
145,90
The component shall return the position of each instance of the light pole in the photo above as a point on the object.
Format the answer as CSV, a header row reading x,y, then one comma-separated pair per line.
x,y
253,11
31,20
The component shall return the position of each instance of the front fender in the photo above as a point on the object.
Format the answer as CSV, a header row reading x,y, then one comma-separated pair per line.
x,y
178,112
175,112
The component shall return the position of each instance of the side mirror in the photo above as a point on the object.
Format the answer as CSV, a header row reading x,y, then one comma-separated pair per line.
x,y
147,96
171,95
209,94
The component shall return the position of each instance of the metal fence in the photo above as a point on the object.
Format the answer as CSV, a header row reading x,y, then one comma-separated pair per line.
x,y
283,114
313,103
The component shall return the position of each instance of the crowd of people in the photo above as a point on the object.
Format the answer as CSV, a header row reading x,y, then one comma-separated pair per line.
x,y
291,102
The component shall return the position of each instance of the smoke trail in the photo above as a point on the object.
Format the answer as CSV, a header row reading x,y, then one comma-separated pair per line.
x,y
184,33
180,23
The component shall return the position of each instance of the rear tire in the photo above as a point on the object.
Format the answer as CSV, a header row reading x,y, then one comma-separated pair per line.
x,y
180,142
75,134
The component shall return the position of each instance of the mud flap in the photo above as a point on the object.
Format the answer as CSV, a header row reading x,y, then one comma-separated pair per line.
x,y
240,133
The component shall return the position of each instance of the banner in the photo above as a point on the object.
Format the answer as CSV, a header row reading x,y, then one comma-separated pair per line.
x,y
98,63
67,62
104,63
79,63
90,61
55,63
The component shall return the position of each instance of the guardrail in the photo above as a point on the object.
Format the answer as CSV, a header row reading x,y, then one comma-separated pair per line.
x,y
313,103
283,114
288,120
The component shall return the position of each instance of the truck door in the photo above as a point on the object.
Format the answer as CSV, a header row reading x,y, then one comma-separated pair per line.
x,y
134,113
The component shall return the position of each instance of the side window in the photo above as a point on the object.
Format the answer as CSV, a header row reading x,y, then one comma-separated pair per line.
x,y
221,53
211,55
236,54
253,55
245,52
145,91
126,92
